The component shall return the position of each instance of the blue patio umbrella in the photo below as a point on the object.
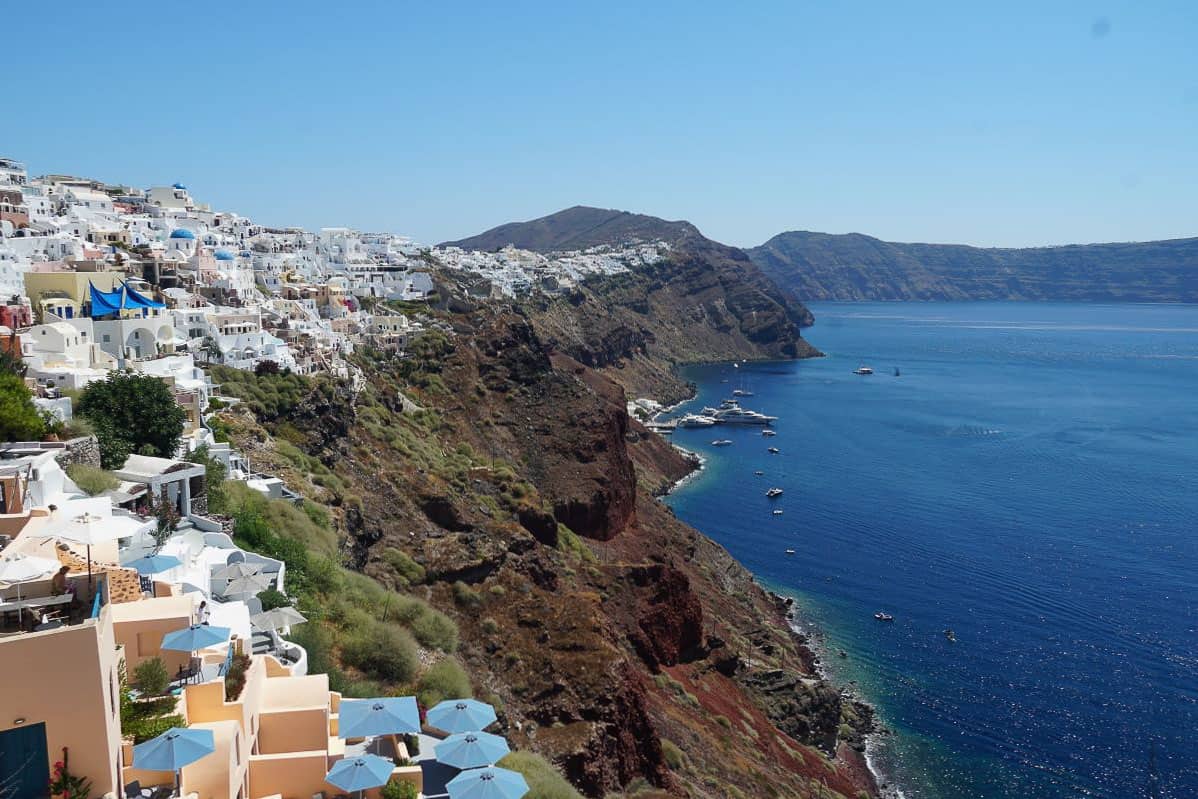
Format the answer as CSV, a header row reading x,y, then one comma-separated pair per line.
x,y
195,637
360,773
174,749
461,715
390,716
471,749
153,564
487,783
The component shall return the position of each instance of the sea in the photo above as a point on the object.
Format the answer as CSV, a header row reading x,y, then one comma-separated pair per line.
x,y
1022,474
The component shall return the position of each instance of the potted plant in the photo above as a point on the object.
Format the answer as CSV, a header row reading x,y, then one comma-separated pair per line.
x,y
66,784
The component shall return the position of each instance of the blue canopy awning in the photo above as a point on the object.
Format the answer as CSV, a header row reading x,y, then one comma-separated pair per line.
x,y
135,300
106,302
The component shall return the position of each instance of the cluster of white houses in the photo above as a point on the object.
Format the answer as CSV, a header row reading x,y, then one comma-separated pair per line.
x,y
117,275
94,278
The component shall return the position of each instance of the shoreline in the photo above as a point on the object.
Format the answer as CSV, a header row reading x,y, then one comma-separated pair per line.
x,y
864,760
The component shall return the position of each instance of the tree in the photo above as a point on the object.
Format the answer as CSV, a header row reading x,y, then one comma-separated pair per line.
x,y
266,368
167,519
10,358
19,419
132,413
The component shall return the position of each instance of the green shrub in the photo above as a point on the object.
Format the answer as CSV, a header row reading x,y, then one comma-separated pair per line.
x,y
464,595
318,643
385,652
445,679
19,418
78,427
544,781
672,754
408,570
489,626
399,789
436,630
235,677
151,677
132,413
272,598
92,481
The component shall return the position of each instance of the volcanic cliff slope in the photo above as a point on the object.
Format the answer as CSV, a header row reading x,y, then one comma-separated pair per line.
x,y
821,266
623,645
704,302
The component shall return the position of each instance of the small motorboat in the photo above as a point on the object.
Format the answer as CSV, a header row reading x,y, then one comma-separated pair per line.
x,y
721,442
790,552
880,616
950,635
778,512
769,433
759,473
740,392
863,370
843,654
774,492
773,450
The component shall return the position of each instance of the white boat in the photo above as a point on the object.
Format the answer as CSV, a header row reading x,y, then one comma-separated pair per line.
x,y
774,492
740,392
721,442
778,512
863,370
769,433
742,416
695,420
773,450
790,552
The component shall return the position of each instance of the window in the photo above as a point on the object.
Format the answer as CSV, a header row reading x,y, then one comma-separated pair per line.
x,y
106,338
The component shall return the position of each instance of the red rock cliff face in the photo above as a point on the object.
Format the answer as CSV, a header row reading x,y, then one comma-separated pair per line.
x,y
599,649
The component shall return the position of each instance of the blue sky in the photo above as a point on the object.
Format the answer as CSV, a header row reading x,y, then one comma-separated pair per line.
x,y
997,124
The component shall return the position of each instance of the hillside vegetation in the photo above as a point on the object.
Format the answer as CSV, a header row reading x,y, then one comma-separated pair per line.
x,y
480,517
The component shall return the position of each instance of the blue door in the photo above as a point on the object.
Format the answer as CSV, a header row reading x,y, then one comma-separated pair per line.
x,y
24,763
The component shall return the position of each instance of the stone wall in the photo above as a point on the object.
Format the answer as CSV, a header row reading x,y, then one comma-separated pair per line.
x,y
85,450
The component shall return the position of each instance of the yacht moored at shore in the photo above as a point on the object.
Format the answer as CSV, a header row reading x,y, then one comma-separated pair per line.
x,y
695,420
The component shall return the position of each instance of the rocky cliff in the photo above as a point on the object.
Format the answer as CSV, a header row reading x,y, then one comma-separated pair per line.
x,y
632,651
820,266
705,302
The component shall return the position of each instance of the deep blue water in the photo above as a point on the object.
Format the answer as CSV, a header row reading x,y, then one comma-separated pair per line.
x,y
1030,481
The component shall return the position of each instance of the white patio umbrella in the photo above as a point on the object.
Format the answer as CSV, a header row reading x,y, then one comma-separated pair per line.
x,y
251,585
91,528
26,568
235,570
277,619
